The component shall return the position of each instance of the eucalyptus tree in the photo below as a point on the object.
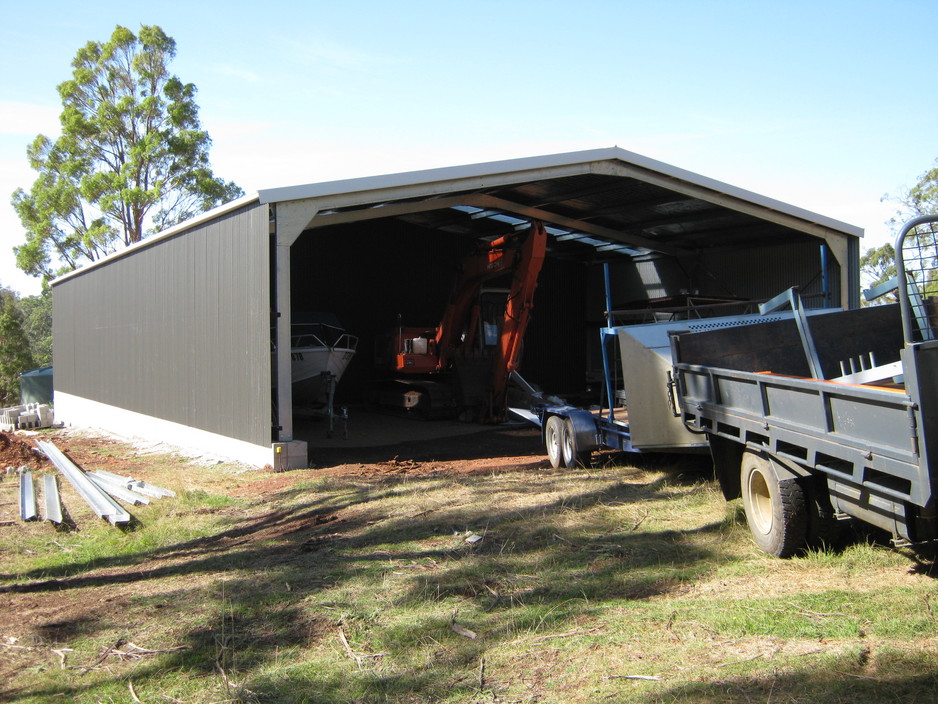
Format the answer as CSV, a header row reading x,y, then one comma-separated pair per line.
x,y
878,264
132,157
15,355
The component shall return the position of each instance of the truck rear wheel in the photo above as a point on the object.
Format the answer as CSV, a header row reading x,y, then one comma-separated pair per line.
x,y
775,509
824,531
555,431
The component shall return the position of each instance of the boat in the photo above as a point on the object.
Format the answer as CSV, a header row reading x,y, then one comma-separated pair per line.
x,y
320,349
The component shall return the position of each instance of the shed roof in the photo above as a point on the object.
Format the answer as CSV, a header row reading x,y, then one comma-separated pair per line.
x,y
597,201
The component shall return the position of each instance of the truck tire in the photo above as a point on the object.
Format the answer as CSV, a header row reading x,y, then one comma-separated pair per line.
x,y
573,456
555,431
776,511
825,531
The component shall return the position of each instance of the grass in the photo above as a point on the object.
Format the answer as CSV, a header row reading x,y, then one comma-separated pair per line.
x,y
618,584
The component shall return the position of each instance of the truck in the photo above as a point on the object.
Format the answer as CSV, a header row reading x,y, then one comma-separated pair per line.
x,y
810,416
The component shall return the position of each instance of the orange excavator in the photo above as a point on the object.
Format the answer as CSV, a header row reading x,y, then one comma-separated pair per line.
x,y
462,366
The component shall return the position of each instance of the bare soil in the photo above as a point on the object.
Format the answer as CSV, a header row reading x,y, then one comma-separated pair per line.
x,y
17,451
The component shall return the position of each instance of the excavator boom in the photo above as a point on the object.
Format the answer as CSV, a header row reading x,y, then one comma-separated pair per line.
x,y
421,352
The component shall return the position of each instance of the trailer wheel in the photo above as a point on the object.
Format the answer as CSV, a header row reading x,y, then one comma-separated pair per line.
x,y
554,437
775,510
572,455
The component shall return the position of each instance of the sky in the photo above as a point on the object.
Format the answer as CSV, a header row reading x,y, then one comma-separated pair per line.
x,y
820,104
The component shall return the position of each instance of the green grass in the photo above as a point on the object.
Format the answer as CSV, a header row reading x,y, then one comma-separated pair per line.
x,y
615,584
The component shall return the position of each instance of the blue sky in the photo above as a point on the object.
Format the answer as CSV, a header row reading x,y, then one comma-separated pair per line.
x,y
824,105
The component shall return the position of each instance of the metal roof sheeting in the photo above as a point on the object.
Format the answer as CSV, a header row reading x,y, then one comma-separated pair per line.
x,y
604,202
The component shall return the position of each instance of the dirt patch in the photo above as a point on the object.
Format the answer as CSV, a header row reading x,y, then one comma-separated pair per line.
x,y
19,451
485,453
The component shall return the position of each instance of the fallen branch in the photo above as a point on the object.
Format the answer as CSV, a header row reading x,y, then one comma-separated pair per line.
x,y
133,694
16,647
348,649
570,634
640,521
62,654
860,677
138,652
104,656
462,630
651,678
357,657
739,662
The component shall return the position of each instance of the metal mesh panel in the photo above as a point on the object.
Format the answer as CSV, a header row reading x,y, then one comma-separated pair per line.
x,y
917,256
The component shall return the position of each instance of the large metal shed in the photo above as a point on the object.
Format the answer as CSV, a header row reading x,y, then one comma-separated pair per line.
x,y
185,337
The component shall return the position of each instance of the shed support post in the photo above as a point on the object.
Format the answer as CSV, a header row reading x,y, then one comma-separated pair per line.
x,y
284,362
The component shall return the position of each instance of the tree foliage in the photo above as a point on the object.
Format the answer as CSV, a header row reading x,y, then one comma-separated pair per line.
x,y
132,158
921,199
878,265
36,314
15,356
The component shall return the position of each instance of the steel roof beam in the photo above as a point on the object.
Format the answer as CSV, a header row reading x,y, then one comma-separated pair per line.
x,y
575,224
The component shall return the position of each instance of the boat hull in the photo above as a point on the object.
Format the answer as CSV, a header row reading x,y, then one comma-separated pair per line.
x,y
311,370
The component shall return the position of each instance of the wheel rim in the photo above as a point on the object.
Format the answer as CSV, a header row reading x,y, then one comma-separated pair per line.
x,y
569,452
554,441
760,500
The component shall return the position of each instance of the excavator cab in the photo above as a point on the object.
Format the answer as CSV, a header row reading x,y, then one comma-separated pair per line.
x,y
461,367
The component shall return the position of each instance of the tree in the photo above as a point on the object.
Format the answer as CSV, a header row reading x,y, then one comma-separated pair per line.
x,y
36,313
15,357
878,265
132,158
921,199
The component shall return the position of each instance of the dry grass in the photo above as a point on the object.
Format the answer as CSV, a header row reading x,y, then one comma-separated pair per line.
x,y
619,584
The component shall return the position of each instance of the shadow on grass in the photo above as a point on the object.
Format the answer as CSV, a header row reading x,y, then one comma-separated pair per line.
x,y
858,678
541,566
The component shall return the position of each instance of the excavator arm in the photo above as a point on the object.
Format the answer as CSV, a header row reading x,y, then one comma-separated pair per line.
x,y
422,351
517,313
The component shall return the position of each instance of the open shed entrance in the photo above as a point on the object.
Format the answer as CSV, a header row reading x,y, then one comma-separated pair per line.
x,y
382,252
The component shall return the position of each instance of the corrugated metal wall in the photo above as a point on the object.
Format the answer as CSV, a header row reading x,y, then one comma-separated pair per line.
x,y
767,271
179,330
758,273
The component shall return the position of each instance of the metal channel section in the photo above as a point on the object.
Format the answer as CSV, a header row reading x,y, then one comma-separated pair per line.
x,y
102,504
50,498
117,491
135,485
28,510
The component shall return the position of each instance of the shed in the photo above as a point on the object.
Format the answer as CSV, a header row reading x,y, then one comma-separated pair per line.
x,y
185,337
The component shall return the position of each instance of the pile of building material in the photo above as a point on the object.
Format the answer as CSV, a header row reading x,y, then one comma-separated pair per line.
x,y
100,490
26,417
